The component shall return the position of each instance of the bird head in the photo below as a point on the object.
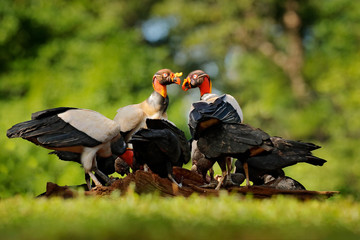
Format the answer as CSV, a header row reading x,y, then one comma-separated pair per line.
x,y
166,77
197,78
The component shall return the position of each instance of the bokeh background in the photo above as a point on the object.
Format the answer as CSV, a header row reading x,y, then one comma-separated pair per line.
x,y
294,67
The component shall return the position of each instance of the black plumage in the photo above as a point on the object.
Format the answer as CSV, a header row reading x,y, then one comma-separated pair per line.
x,y
205,114
260,150
211,112
47,129
161,146
216,127
255,147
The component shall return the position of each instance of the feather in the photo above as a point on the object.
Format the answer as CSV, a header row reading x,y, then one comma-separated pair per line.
x,y
160,146
166,124
203,111
230,140
50,112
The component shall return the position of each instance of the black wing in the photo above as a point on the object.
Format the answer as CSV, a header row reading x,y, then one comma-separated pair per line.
x,y
50,112
203,112
164,124
231,140
49,130
162,140
158,148
286,153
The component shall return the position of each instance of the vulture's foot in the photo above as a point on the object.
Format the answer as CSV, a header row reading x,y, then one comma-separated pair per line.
x,y
212,184
228,182
170,176
95,180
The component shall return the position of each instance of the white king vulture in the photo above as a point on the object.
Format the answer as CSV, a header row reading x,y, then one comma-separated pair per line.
x,y
132,117
75,130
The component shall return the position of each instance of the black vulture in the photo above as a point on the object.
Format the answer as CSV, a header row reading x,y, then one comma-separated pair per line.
x,y
160,146
209,111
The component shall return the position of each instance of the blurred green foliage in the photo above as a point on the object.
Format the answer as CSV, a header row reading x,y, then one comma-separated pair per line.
x,y
92,54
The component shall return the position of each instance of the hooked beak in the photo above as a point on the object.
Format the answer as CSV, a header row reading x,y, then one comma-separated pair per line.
x,y
186,84
176,77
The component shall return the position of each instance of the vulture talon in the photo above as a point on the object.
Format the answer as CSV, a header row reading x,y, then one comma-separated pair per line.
x,y
174,181
212,185
95,180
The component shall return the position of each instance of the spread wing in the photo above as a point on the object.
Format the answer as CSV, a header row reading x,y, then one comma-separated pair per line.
x,y
66,127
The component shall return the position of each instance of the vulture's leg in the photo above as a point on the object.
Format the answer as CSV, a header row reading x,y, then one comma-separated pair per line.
x,y
95,180
170,174
229,165
246,169
211,173
228,180
213,182
222,164
146,168
88,182
223,175
88,160
100,173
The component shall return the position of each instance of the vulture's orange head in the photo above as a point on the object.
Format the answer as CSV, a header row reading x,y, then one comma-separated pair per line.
x,y
166,77
197,78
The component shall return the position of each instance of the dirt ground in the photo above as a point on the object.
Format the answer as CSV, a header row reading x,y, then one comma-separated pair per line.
x,y
146,182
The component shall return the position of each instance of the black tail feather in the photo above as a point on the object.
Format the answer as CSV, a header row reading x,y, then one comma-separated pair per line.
x,y
315,160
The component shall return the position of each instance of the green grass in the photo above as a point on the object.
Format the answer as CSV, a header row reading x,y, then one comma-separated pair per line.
x,y
154,217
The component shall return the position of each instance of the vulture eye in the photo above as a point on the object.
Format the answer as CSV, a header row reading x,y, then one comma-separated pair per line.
x,y
165,75
195,76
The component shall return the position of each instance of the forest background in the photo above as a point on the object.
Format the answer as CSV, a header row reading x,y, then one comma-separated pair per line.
x,y
293,66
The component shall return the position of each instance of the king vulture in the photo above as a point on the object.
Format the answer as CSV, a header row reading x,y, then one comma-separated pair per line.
x,y
132,117
160,146
74,130
210,110
226,137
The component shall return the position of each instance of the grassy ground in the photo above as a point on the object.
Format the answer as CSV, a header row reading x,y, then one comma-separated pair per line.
x,y
154,217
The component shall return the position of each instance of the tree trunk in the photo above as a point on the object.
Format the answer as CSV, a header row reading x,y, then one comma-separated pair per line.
x,y
295,54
